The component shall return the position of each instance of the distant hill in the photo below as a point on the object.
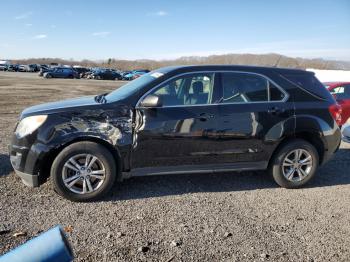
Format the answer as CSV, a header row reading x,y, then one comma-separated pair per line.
x,y
239,59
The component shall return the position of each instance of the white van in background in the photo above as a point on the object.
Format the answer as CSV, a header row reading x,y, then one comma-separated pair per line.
x,y
4,64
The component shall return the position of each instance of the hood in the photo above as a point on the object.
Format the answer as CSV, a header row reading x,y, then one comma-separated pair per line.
x,y
60,106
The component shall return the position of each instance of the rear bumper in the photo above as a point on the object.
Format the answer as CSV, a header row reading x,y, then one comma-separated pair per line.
x,y
332,144
328,156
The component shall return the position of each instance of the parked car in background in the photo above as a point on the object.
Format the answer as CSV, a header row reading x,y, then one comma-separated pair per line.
x,y
34,67
3,67
12,68
89,73
86,74
341,92
4,64
28,68
105,74
45,69
117,74
61,72
24,68
44,66
135,74
346,134
81,71
192,119
124,73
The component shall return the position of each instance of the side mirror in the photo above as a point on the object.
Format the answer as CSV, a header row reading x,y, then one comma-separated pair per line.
x,y
151,101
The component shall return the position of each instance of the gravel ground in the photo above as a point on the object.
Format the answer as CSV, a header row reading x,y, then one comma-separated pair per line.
x,y
222,217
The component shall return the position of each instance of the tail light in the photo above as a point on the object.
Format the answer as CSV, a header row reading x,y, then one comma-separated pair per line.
x,y
336,111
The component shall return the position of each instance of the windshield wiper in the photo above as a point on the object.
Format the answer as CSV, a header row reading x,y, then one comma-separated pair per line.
x,y
101,98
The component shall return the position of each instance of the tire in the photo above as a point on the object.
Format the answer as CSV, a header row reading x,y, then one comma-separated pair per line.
x,y
281,168
48,76
104,161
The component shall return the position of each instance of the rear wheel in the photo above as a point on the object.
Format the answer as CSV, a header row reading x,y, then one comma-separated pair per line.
x,y
294,164
83,171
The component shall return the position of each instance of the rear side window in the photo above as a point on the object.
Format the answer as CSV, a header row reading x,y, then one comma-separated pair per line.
x,y
246,87
275,93
309,82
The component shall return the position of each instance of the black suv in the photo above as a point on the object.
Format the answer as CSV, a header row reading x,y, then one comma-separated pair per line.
x,y
188,119
106,74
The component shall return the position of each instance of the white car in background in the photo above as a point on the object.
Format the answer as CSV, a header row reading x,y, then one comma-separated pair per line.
x,y
3,65
24,68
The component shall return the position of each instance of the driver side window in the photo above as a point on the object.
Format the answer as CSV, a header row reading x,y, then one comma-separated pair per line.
x,y
193,89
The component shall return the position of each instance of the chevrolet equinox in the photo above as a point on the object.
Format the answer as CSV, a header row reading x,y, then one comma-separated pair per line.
x,y
175,120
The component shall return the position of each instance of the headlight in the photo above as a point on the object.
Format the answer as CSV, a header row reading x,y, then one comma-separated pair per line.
x,y
29,124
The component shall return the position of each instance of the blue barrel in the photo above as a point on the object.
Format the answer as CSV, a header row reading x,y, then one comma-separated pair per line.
x,y
51,245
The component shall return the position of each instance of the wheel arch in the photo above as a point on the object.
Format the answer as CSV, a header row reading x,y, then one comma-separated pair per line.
x,y
51,156
311,137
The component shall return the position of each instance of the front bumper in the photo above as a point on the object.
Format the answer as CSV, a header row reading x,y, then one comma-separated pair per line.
x,y
17,161
28,179
27,160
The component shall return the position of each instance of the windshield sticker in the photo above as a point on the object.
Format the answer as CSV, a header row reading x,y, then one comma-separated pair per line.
x,y
157,74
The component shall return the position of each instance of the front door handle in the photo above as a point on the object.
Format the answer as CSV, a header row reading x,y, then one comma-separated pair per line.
x,y
275,110
204,116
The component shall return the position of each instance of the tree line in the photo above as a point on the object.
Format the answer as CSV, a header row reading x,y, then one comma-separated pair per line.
x,y
275,60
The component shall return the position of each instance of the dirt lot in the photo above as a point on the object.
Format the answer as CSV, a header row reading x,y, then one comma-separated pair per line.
x,y
223,217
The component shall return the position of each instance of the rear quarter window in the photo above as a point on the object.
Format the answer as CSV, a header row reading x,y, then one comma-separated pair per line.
x,y
310,83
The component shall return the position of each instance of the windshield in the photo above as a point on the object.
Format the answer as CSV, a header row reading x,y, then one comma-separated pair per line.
x,y
132,86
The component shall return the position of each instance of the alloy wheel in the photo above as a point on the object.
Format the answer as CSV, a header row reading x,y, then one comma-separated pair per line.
x,y
83,173
297,165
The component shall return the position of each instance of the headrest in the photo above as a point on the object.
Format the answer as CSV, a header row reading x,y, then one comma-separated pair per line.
x,y
197,87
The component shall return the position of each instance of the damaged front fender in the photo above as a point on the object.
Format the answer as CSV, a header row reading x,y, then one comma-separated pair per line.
x,y
113,125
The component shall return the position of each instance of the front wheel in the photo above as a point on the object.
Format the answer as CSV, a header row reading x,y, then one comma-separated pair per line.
x,y
83,171
294,164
